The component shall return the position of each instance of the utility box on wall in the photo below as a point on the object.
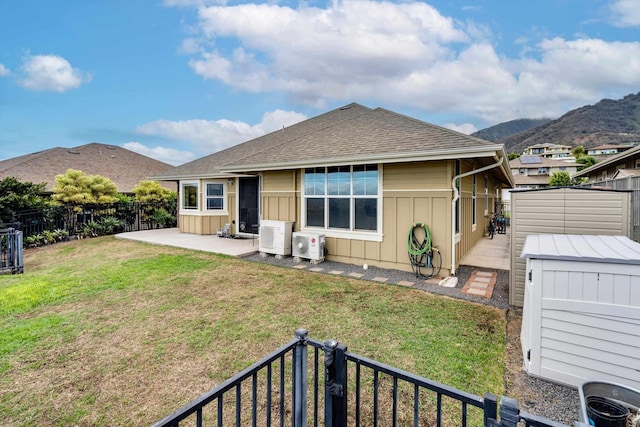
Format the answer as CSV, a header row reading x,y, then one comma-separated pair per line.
x,y
581,315
275,237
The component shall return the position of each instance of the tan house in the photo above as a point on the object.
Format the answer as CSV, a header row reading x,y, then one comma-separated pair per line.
x,y
535,171
607,149
549,151
360,176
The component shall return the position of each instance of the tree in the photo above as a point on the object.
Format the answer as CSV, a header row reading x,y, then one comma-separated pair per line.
x,y
578,151
16,196
513,155
75,188
560,179
152,191
586,161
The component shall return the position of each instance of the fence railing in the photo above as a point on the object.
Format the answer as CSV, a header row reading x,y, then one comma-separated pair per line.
x,y
291,387
129,216
11,260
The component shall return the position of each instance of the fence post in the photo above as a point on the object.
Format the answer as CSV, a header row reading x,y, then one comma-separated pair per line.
x,y
509,412
301,379
335,392
490,410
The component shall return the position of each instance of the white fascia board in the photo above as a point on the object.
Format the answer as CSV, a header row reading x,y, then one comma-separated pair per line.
x,y
488,151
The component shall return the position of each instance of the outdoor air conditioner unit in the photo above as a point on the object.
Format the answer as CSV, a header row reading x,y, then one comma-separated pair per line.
x,y
275,237
308,245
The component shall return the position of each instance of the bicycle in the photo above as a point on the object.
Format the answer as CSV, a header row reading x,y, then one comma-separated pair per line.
x,y
492,225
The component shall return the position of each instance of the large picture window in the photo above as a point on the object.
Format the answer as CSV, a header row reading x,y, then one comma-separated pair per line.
x,y
190,195
342,197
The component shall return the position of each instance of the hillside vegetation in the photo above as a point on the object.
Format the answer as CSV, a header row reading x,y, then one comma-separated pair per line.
x,y
503,130
607,122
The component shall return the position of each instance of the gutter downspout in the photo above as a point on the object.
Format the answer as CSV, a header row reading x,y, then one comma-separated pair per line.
x,y
456,196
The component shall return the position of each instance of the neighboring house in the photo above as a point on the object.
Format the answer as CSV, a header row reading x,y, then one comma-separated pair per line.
x,y
549,151
535,171
626,163
360,176
124,167
607,149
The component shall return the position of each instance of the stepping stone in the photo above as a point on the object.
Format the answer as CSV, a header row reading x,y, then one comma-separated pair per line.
x,y
300,266
405,283
338,272
356,275
480,283
316,269
380,279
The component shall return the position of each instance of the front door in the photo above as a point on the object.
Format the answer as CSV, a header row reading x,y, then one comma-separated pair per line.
x,y
248,199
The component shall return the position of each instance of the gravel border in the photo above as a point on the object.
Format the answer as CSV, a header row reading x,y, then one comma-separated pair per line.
x,y
536,396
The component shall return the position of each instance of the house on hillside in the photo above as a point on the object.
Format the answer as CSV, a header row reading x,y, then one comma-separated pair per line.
x,y
124,167
624,164
549,151
535,171
607,149
360,176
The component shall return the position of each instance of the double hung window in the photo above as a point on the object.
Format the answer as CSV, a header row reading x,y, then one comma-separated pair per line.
x,y
214,196
342,197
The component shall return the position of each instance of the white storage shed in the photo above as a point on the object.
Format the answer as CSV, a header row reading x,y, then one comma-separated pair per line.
x,y
581,314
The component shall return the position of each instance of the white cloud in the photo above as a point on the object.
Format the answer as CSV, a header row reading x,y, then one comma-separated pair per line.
x,y
51,73
210,136
4,71
168,155
405,53
466,128
626,13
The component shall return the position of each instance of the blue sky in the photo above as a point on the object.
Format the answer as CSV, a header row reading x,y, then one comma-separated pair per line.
x,y
180,79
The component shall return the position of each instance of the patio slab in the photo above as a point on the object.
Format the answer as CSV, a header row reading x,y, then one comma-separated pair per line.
x,y
199,242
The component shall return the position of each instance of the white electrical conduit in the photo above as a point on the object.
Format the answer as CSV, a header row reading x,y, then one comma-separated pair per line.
x,y
456,196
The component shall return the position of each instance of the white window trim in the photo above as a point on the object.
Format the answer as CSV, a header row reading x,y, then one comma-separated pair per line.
x,y
225,208
372,236
183,210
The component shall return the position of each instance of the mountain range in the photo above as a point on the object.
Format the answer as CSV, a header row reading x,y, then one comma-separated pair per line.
x,y
607,122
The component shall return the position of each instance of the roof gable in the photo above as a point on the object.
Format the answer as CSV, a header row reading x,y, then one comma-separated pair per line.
x,y
348,135
210,165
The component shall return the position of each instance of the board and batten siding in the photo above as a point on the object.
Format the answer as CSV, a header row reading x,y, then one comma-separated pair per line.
x,y
279,196
565,210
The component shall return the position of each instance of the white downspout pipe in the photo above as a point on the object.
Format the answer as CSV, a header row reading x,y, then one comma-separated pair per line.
x,y
456,196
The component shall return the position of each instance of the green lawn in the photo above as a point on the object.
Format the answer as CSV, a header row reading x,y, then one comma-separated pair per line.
x,y
112,332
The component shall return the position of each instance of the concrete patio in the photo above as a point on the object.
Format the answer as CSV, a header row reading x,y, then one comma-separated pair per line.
x,y
488,253
199,242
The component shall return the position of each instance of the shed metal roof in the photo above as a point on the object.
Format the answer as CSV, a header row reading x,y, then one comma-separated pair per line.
x,y
572,247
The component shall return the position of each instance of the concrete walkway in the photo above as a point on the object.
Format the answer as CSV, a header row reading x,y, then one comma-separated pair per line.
x,y
494,254
199,242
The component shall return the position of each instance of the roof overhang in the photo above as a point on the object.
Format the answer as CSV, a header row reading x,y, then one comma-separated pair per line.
x,y
493,152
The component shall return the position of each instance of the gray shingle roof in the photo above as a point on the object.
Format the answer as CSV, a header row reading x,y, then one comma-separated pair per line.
x,y
350,134
124,167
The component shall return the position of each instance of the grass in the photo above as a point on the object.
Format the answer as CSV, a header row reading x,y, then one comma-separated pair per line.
x,y
106,331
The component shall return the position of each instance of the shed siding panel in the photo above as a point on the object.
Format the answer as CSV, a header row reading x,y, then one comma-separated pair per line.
x,y
561,211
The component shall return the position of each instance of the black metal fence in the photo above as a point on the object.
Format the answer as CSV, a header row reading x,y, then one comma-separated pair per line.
x,y
11,260
124,216
290,387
